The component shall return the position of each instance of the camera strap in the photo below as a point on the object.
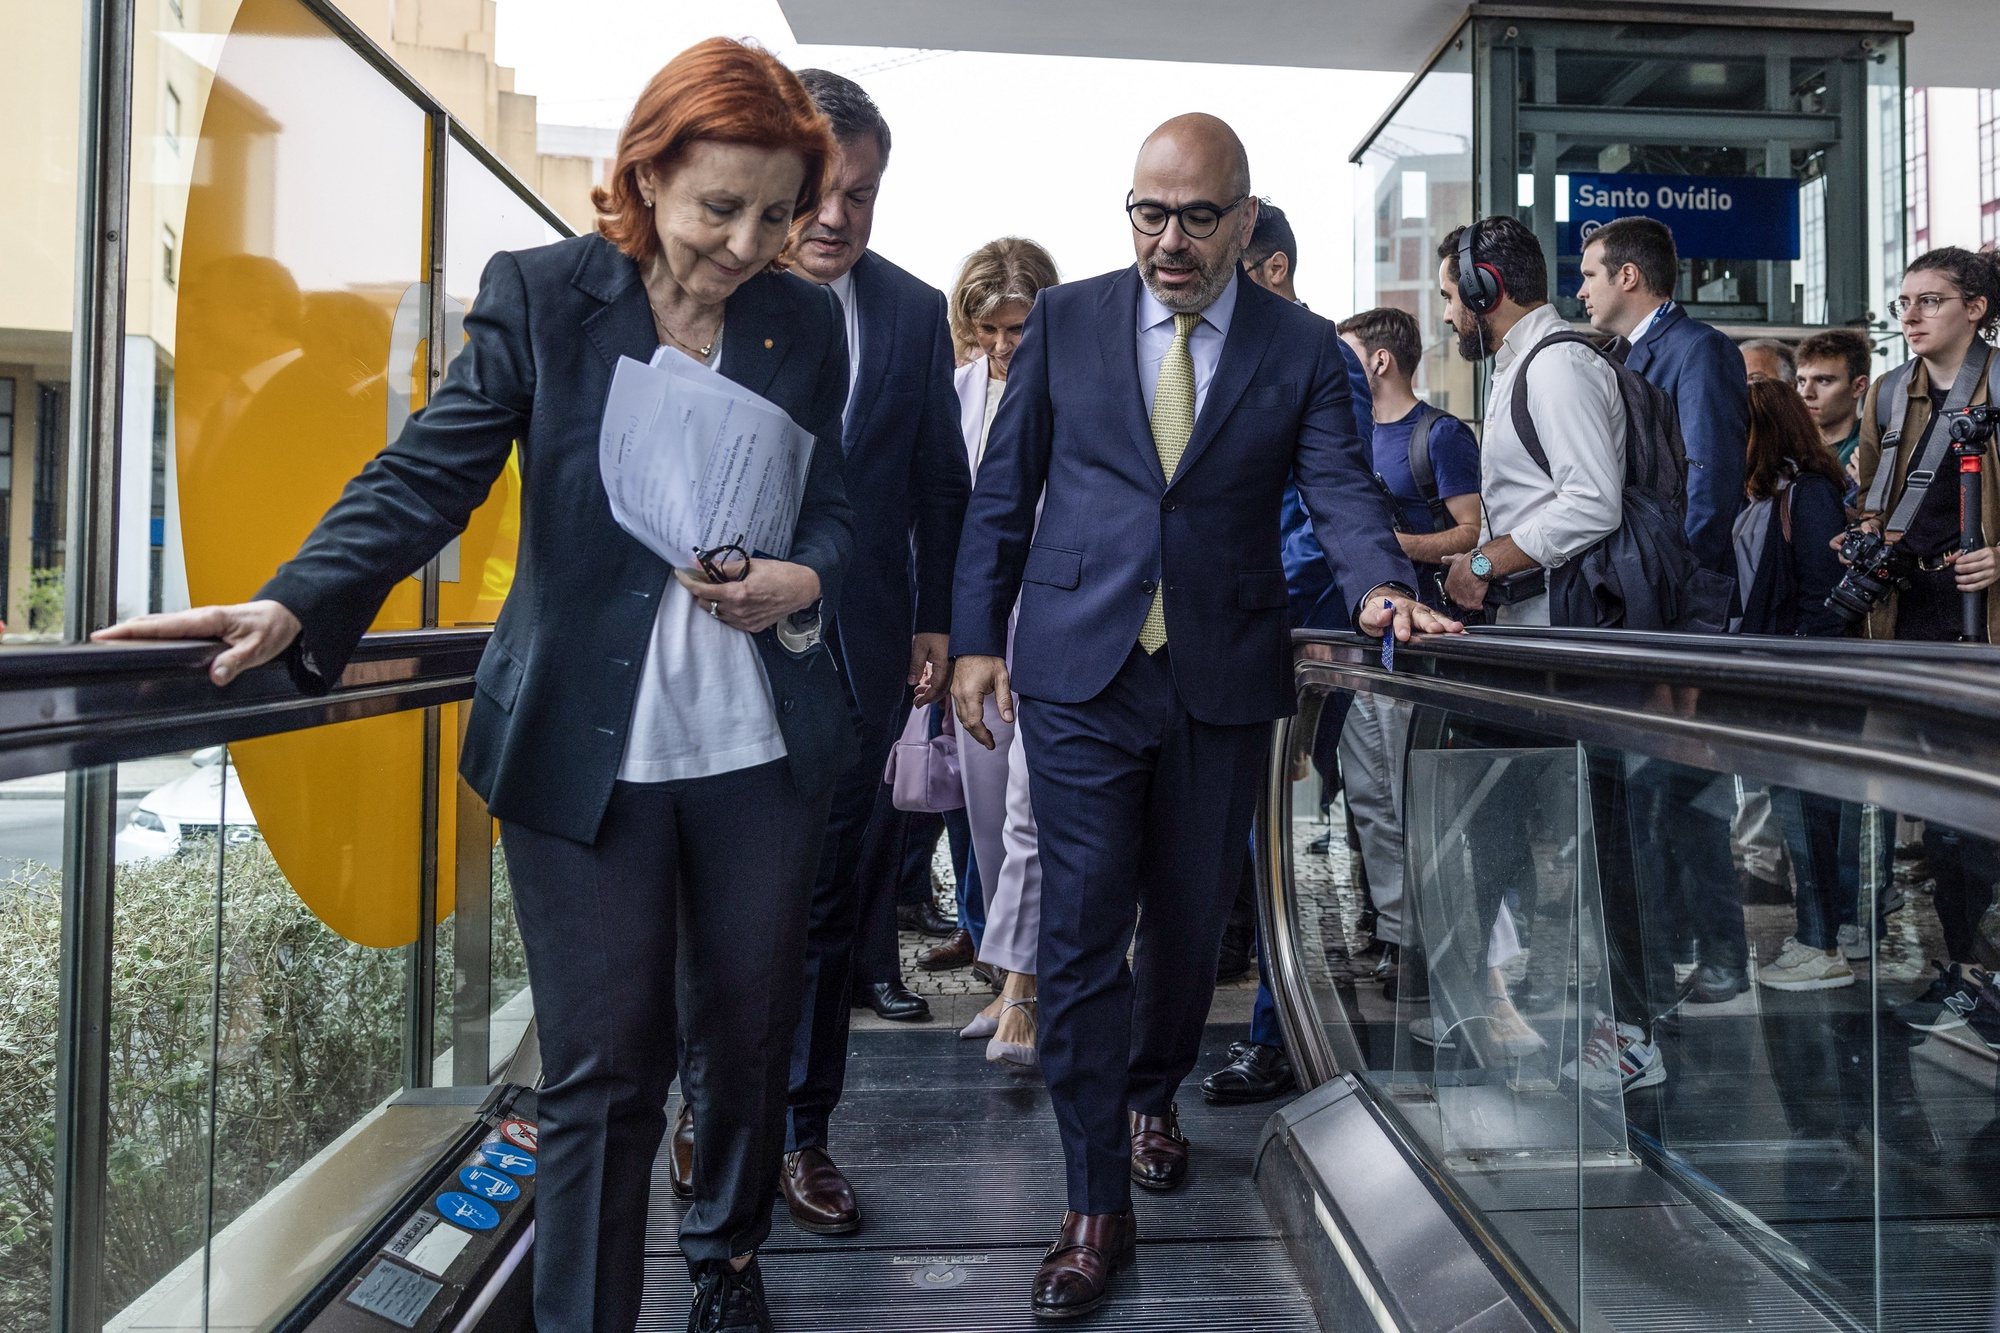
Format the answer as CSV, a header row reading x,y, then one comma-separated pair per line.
x,y
1935,446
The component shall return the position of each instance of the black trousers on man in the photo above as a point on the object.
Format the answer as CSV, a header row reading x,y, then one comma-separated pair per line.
x,y
842,901
689,909
1142,811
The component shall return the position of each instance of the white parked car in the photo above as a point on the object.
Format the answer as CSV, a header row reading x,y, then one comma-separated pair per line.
x,y
200,804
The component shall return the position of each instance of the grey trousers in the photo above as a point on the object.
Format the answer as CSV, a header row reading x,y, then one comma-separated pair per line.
x,y
1373,744
690,908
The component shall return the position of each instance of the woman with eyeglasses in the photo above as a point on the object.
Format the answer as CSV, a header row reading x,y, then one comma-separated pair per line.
x,y
989,305
658,743
1949,310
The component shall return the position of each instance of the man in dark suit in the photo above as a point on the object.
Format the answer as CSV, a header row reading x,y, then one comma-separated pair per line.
x,y
907,475
1630,269
1161,411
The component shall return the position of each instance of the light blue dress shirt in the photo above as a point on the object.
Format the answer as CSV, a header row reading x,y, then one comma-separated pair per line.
x,y
1156,335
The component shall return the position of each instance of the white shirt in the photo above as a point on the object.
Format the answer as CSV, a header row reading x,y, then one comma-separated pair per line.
x,y
1156,335
704,704
843,287
1573,398
994,388
1645,325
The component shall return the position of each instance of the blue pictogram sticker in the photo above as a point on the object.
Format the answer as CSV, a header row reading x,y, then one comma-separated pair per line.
x,y
511,1160
470,1213
492,1186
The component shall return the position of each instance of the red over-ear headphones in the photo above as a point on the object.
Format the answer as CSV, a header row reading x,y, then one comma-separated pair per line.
x,y
1480,286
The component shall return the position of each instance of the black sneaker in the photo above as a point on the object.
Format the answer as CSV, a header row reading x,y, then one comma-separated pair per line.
x,y
1945,1005
728,1301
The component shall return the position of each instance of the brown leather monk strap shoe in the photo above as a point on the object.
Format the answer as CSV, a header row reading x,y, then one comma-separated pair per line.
x,y
681,1175
955,952
1075,1275
819,1197
1159,1150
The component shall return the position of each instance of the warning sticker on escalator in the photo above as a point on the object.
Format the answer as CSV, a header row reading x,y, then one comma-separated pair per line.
x,y
394,1293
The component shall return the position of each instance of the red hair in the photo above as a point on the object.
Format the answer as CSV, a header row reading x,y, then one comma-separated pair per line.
x,y
720,90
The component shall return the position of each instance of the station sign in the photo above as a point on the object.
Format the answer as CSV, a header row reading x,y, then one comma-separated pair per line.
x,y
1712,217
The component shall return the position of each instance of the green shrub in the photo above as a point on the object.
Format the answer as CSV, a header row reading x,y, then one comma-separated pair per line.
x,y
42,603
308,1038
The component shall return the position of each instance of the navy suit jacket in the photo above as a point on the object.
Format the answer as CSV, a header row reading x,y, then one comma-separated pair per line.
x,y
1073,426
1703,372
555,688
1316,601
908,480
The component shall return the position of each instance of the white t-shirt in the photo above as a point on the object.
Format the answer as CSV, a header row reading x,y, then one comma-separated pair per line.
x,y
704,704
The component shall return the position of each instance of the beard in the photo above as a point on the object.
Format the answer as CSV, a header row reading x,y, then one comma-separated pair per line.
x,y
1213,278
1476,343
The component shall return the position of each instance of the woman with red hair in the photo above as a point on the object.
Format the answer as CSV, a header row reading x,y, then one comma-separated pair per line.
x,y
660,758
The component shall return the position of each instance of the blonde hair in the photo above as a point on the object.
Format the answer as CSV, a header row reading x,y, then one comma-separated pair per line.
x,y
1009,269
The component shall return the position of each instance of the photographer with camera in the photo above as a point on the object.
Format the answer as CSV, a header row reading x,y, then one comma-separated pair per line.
x,y
1913,573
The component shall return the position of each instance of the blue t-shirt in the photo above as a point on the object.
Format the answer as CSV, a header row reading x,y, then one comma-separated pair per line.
x,y
1454,464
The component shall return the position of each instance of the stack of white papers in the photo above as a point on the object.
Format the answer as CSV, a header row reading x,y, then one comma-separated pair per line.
x,y
692,460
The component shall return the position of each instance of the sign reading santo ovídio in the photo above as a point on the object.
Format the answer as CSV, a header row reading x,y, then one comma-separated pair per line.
x,y
1712,217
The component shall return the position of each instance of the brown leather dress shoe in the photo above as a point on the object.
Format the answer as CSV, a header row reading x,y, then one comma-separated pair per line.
x,y
1159,1150
955,952
681,1175
819,1197
1075,1275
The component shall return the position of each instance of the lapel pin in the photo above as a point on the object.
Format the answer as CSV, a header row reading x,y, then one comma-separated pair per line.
x,y
767,344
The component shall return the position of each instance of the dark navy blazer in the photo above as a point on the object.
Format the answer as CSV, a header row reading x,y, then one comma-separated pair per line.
x,y
1316,602
1073,421
561,672
907,479
1703,372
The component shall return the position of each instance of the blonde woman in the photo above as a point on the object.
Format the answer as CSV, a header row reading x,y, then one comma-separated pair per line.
x,y
989,304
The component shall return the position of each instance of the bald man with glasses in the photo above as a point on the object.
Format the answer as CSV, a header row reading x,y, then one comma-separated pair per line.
x,y
1161,411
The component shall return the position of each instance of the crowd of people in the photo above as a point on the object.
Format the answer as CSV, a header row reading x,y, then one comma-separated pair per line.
x,y
1075,522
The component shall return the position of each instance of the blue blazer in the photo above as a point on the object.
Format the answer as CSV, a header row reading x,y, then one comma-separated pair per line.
x,y
1073,425
556,686
908,479
1316,602
1703,372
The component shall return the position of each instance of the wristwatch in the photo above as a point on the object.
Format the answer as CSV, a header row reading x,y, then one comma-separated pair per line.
x,y
1482,568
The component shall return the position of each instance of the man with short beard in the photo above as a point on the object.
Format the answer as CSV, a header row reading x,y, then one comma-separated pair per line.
x,y
1161,410
1535,519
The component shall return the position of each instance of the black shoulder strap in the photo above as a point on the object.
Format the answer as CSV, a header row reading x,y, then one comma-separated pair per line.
x,y
1421,469
1524,420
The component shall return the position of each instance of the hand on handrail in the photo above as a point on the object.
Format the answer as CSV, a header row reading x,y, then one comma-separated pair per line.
x,y
255,633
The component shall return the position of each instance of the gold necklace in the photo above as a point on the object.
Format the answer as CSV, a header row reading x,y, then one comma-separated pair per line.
x,y
660,320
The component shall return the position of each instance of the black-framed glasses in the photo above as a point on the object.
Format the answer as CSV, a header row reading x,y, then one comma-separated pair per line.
x,y
1928,304
727,563
1198,219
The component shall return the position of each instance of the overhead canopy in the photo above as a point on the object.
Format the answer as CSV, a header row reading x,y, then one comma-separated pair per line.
x,y
1955,44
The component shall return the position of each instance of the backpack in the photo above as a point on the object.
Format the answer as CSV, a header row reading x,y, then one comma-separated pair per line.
x,y
1643,576
1428,418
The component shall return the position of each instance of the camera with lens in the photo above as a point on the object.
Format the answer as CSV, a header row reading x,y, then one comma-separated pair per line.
x,y
1972,425
1874,568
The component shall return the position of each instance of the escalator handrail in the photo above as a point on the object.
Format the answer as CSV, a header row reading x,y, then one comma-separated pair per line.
x,y
71,706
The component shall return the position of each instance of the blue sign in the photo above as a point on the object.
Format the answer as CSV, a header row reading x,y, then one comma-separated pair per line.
x,y
470,1213
1712,217
511,1160
489,1184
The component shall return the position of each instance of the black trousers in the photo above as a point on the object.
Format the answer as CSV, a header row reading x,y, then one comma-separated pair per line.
x,y
843,903
688,910
1143,811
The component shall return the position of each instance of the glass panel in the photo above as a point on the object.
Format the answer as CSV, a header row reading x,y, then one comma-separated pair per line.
x,y
1695,1044
176,812
39,97
31,841
1414,186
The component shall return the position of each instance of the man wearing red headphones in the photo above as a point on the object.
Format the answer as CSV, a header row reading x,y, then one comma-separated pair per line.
x,y
1495,283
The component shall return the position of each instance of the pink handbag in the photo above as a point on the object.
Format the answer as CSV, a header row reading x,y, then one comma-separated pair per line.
x,y
923,769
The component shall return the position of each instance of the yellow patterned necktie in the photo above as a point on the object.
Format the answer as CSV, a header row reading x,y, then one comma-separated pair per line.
x,y
1173,423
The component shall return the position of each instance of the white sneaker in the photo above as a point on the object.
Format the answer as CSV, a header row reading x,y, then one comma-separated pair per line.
x,y
1853,944
1617,1057
1425,1031
1802,967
